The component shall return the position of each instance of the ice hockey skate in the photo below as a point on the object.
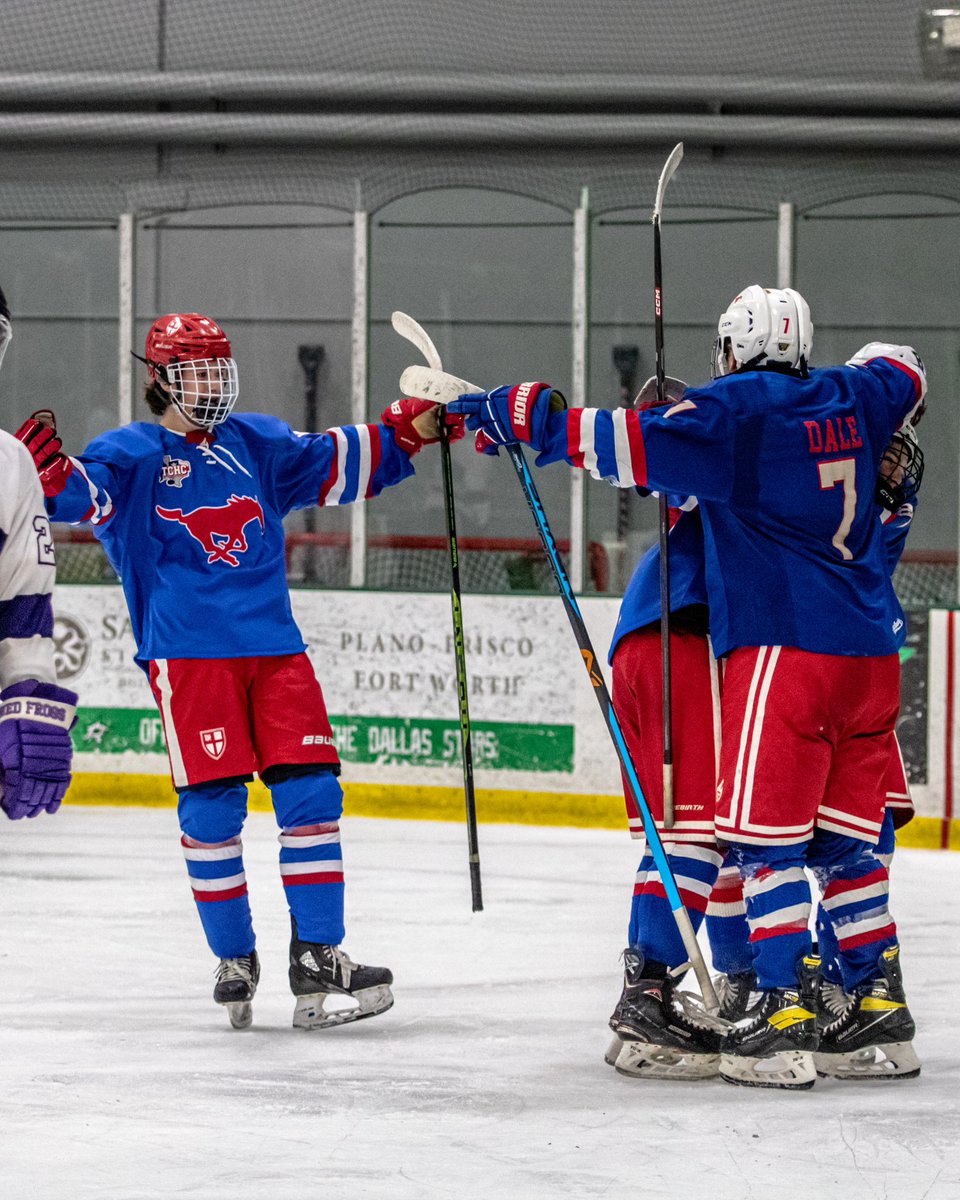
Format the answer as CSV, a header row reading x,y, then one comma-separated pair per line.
x,y
774,1046
236,986
737,995
660,1038
319,972
872,1037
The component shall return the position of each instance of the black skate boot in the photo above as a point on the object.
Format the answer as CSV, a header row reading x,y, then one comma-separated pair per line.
x,y
832,1002
774,1046
737,994
236,986
660,1038
318,971
872,1037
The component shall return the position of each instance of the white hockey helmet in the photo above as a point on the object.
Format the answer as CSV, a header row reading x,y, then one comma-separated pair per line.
x,y
764,325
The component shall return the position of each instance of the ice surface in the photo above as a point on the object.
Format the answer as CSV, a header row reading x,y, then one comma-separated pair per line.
x,y
121,1079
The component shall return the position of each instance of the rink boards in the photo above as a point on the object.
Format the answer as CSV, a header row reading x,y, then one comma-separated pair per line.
x,y
542,754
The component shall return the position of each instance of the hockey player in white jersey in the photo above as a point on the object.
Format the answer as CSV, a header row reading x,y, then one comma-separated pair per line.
x,y
36,714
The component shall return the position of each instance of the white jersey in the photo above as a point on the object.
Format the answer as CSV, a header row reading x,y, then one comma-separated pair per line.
x,y
27,570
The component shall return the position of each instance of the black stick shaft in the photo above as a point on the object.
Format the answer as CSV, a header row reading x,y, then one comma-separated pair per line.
x,y
459,647
664,532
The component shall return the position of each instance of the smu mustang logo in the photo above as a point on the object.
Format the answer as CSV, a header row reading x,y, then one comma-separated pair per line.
x,y
219,530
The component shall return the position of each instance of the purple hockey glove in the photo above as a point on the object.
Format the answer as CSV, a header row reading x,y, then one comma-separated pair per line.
x,y
35,747
518,413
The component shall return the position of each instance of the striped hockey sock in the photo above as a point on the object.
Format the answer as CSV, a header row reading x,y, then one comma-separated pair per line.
x,y
220,890
855,905
778,913
727,927
652,926
311,866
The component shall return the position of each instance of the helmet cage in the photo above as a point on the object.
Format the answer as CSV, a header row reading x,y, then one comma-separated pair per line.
x,y
205,390
901,471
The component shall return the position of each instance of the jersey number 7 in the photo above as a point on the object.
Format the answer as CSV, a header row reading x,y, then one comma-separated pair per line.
x,y
841,470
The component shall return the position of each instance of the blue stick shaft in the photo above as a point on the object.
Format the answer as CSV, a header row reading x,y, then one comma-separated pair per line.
x,y
654,843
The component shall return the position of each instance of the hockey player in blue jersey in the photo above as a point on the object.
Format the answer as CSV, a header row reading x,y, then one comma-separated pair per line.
x,y
36,713
783,461
189,511
661,1036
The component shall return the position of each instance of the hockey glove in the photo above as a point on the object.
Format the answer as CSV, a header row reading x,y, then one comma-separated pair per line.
x,y
35,747
39,435
518,413
415,424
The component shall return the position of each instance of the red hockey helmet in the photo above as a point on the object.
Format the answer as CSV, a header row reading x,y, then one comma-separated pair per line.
x,y
192,354
178,337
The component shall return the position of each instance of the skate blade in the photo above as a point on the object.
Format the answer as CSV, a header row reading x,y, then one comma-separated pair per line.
x,y
309,1012
240,1013
786,1069
895,1060
612,1052
644,1060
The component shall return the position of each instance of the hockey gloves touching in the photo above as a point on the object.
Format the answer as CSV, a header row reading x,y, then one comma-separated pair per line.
x,y
39,435
523,412
416,423
35,747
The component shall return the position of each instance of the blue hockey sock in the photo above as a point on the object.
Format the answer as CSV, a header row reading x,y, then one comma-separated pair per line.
x,y
220,890
653,929
855,884
308,806
211,817
727,928
778,901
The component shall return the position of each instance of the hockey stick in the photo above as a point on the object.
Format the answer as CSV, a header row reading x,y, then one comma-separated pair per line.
x,y
310,359
408,328
444,387
669,168
654,844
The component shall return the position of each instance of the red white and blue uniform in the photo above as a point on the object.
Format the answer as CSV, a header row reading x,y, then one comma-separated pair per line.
x,y
193,525
801,601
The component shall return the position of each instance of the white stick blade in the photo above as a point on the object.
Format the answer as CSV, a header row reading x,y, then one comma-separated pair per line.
x,y
414,332
669,169
437,386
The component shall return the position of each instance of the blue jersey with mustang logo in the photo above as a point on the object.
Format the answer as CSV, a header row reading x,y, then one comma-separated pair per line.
x,y
193,523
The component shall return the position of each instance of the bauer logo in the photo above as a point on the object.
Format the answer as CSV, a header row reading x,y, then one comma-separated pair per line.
x,y
214,741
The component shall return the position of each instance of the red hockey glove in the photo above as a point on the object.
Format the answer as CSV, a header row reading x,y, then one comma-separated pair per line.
x,y
415,423
40,438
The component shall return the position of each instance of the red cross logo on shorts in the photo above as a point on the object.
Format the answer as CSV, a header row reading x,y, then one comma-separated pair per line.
x,y
214,741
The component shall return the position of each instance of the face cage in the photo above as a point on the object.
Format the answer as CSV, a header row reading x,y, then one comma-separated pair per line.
x,y
204,389
6,333
899,482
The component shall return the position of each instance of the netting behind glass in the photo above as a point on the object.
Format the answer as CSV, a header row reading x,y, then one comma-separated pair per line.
x,y
469,132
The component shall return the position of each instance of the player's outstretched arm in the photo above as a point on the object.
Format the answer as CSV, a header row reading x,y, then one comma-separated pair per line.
x,y
681,448
352,462
75,491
